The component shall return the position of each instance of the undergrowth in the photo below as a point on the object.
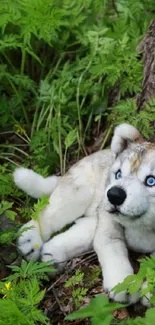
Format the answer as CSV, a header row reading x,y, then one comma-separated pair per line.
x,y
69,71
21,294
100,309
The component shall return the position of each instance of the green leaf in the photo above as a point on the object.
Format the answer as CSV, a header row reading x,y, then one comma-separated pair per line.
x,y
107,320
70,138
11,313
82,313
125,284
33,55
4,206
150,316
98,308
11,214
41,204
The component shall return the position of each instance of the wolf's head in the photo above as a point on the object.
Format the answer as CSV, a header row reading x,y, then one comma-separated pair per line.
x,y
130,193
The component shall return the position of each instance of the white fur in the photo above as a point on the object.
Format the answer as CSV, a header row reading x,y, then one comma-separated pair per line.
x,y
83,191
34,184
133,188
110,247
76,240
30,240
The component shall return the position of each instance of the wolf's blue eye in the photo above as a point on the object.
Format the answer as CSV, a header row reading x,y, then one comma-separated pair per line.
x,y
150,181
118,174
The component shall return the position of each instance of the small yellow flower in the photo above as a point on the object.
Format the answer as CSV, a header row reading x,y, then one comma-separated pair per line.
x,y
19,129
36,245
8,286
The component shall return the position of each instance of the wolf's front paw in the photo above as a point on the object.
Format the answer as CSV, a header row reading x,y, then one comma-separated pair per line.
x,y
124,297
111,280
145,300
30,243
52,250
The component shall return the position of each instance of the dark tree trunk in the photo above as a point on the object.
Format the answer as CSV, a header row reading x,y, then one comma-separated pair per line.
x,y
147,47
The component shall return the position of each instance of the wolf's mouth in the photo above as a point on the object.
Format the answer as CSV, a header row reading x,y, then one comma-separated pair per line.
x,y
118,212
115,210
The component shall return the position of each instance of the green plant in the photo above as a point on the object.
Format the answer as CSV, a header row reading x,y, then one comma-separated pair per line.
x,y
126,110
8,189
22,295
8,236
70,139
99,310
28,270
5,208
38,207
20,303
92,276
134,283
8,226
78,291
75,279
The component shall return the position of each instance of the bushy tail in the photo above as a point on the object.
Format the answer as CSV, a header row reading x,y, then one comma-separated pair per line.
x,y
34,184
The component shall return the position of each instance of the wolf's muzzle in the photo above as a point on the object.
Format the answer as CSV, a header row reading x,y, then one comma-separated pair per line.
x,y
116,195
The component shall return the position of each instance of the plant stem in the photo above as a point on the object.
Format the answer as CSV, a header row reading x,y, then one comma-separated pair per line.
x,y
42,116
10,154
40,230
59,137
27,140
18,95
78,96
15,148
10,160
65,155
106,137
9,61
34,120
23,61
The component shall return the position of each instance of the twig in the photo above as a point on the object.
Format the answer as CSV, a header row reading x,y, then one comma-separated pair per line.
x,y
56,282
62,276
58,301
86,259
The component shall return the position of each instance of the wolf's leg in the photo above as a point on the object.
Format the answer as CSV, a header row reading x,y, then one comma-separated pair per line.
x,y
69,201
110,247
76,240
34,184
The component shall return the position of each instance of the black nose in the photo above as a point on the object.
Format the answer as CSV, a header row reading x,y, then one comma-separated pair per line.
x,y
116,195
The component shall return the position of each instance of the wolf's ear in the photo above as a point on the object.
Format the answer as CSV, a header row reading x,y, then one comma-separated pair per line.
x,y
123,135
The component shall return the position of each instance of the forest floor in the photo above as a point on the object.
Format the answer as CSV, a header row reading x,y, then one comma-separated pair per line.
x,y
59,302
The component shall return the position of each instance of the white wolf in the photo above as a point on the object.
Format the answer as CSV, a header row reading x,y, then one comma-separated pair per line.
x,y
110,195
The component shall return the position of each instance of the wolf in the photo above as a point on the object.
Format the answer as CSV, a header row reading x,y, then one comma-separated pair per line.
x,y
110,198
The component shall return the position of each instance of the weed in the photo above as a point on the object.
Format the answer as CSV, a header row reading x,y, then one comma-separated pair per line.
x,y
78,291
99,309
22,295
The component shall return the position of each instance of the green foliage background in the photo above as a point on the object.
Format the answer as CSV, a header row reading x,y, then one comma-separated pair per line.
x,y
60,63
68,70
